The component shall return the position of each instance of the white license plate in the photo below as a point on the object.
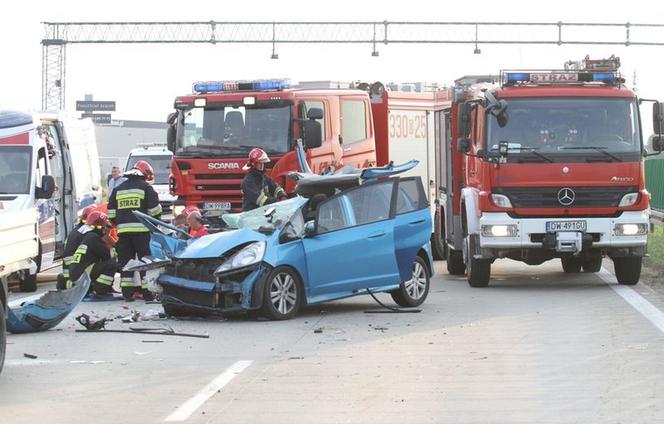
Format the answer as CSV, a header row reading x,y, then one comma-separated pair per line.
x,y
555,226
217,206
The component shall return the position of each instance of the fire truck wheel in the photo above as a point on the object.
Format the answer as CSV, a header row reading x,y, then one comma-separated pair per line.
x,y
478,271
414,291
3,333
628,270
592,264
455,265
438,239
571,265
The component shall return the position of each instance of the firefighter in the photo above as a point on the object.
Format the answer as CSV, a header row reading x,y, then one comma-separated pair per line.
x,y
135,194
72,242
258,189
94,257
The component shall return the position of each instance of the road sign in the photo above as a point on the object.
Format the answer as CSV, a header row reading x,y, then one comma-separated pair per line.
x,y
92,105
98,118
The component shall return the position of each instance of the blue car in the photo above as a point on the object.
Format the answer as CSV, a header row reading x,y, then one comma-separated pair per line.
x,y
342,235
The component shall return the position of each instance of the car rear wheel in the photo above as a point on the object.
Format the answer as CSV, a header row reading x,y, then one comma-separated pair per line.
x,y
283,294
413,292
628,270
571,265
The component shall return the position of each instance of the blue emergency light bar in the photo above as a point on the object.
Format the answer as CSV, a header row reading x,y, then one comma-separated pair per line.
x,y
559,77
229,86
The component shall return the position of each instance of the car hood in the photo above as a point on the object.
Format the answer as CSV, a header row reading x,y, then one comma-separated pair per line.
x,y
215,245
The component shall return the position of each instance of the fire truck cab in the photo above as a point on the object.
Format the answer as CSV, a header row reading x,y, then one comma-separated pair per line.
x,y
547,164
213,130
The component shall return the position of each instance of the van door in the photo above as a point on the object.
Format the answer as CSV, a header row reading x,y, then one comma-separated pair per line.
x,y
60,166
46,210
357,138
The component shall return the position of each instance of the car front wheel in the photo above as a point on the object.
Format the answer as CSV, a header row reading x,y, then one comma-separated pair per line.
x,y
413,292
283,294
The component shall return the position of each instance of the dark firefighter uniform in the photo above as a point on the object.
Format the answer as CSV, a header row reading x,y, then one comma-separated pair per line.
x,y
135,194
259,190
94,257
72,242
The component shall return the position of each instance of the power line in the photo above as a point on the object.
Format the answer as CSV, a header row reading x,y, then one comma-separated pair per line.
x,y
57,35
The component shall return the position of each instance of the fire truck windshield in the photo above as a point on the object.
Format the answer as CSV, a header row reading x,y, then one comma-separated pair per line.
x,y
568,130
233,130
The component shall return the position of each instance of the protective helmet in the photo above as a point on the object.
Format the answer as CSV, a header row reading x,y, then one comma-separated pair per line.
x,y
83,213
256,156
97,220
145,169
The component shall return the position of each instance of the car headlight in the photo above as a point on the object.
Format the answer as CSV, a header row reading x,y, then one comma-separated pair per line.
x,y
499,230
628,200
631,229
501,201
250,255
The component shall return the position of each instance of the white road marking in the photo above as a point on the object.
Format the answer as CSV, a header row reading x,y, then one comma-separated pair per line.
x,y
190,406
645,308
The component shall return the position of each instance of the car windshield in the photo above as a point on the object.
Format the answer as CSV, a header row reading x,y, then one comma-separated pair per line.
x,y
233,130
15,170
569,129
161,164
256,218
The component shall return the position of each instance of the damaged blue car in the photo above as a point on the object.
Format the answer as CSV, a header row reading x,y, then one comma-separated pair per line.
x,y
343,235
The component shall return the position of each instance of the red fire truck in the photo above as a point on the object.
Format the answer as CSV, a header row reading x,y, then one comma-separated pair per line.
x,y
213,130
543,165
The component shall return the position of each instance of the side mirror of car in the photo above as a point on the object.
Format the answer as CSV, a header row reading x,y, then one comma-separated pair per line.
x,y
47,187
310,228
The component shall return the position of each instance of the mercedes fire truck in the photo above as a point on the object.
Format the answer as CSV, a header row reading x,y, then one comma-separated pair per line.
x,y
547,164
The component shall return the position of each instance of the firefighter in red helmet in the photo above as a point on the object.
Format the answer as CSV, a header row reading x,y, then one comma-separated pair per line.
x,y
135,194
258,189
94,257
73,240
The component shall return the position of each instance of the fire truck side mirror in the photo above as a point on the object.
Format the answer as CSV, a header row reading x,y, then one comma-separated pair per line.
x,y
315,113
312,134
463,145
658,142
463,119
171,131
658,118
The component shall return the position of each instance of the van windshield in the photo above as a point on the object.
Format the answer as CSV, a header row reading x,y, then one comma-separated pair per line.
x,y
15,169
161,164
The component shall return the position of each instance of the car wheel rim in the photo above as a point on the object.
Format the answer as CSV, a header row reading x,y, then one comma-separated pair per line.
x,y
416,286
283,293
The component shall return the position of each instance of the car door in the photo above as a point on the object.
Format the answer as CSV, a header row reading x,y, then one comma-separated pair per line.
x,y
353,245
412,223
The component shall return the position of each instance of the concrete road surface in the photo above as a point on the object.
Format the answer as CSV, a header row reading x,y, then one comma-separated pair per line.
x,y
537,346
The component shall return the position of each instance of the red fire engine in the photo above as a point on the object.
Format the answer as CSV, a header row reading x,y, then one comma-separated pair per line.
x,y
213,130
543,165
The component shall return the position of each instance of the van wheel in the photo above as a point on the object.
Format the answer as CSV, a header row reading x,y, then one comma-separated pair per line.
x,y
455,265
3,334
628,270
438,239
592,264
283,294
571,265
413,292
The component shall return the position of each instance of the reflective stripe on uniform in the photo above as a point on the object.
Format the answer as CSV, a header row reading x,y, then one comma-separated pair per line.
x,y
155,211
261,199
126,282
279,192
131,227
67,261
76,258
133,192
112,213
105,279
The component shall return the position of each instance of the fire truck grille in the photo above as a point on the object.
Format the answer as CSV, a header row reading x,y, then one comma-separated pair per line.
x,y
556,197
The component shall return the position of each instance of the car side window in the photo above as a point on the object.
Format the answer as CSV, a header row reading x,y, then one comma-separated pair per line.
x,y
371,203
410,196
331,216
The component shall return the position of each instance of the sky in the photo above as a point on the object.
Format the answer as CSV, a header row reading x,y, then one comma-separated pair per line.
x,y
145,79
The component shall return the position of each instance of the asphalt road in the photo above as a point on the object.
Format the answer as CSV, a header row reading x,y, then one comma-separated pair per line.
x,y
537,346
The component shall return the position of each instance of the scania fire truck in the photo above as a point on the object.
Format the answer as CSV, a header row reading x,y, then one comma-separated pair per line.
x,y
547,164
213,130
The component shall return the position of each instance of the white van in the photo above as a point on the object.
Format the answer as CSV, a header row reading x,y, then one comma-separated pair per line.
x,y
159,157
36,172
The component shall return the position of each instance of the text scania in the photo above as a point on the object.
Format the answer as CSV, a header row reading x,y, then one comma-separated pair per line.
x,y
223,165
